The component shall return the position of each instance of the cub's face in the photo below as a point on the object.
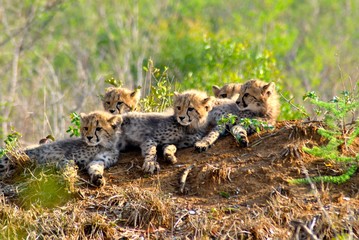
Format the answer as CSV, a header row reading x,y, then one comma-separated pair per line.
x,y
257,96
191,108
99,128
230,90
120,100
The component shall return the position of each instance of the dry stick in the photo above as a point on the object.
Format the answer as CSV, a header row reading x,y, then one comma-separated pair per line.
x,y
290,102
310,232
267,136
184,177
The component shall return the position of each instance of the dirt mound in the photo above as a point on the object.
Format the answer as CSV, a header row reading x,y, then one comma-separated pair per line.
x,y
229,192
251,174
238,181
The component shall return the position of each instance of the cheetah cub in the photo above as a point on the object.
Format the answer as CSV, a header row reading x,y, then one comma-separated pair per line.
x,y
121,100
257,99
230,90
94,151
182,128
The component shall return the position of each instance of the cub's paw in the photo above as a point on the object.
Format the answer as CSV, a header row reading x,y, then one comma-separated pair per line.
x,y
170,158
242,140
151,166
240,134
202,146
169,153
98,180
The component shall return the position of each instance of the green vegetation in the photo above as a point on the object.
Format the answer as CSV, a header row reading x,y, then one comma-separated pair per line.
x,y
74,129
340,129
45,187
159,96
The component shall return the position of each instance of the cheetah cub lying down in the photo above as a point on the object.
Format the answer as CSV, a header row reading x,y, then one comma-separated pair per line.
x,y
121,100
94,151
256,100
169,130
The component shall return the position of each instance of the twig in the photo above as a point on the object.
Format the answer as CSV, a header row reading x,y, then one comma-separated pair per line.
x,y
179,220
265,137
128,169
300,224
290,102
184,177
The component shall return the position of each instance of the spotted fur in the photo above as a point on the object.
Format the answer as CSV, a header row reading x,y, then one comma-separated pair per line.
x,y
168,130
121,100
230,90
256,99
94,151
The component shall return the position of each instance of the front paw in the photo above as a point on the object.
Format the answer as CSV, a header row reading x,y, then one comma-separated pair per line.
x,y
240,134
98,180
202,146
170,158
242,140
150,166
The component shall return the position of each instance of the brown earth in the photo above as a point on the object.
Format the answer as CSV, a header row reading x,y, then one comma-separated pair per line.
x,y
230,193
230,183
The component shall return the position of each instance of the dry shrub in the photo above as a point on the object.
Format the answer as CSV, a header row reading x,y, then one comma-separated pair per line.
x,y
143,208
215,173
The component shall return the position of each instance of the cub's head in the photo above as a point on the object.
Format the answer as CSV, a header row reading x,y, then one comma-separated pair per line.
x,y
120,100
100,128
191,108
259,97
230,90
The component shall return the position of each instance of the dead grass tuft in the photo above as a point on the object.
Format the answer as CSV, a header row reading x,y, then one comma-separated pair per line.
x,y
216,174
143,208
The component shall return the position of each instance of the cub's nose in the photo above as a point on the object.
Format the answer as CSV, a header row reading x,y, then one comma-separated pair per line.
x,y
181,118
112,111
89,138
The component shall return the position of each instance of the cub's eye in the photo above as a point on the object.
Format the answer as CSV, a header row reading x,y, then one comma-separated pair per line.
x,y
108,103
246,95
119,103
178,108
258,104
98,129
224,95
190,109
86,128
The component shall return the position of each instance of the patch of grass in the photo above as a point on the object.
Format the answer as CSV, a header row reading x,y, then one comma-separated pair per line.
x,y
12,150
46,187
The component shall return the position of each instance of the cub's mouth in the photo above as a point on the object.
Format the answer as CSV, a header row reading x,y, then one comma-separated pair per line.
x,y
183,122
92,142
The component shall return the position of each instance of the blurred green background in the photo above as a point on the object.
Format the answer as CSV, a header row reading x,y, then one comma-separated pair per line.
x,y
55,55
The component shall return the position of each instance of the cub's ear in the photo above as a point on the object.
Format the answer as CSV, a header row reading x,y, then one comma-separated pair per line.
x,y
136,94
115,121
215,90
268,89
208,103
83,115
175,95
109,89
